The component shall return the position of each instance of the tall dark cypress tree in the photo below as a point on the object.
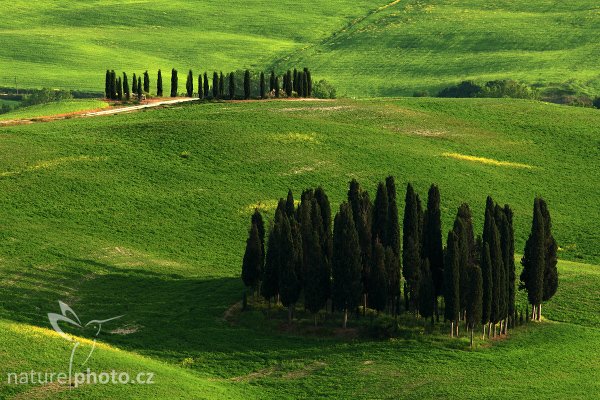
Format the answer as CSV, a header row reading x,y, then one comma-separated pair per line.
x,y
215,85
174,83
505,247
316,278
305,83
189,84
253,258
497,267
206,86
262,85
270,279
452,281
550,256
300,84
290,206
361,212
464,213
392,226
474,299
257,220
113,85
231,86
289,86
295,81
325,207
379,282
139,89
200,90
346,263
298,252
126,87
486,272
247,85
134,85
277,87
426,292
432,241
511,263
107,85
119,89
460,230
221,85
309,80
380,214
534,261
411,255
392,269
159,84
289,285
272,82
146,82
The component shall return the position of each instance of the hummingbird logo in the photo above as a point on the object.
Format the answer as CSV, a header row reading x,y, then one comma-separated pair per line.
x,y
69,316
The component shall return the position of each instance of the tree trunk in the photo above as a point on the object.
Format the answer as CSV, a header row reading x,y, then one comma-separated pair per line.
x,y
436,309
472,337
452,329
345,321
456,328
540,312
364,304
483,336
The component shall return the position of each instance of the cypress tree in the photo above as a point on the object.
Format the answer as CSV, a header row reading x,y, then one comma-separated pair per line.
x,y
277,87
392,226
380,214
452,281
432,241
159,84
305,84
206,86
257,220
346,262
534,261
464,213
505,247
309,80
262,85
231,86
475,298
215,85
247,85
174,82
289,286
289,88
139,89
497,267
426,291
295,81
270,285
324,255
379,283
221,85
119,89
300,84
200,91
107,85
290,206
316,280
298,251
189,84
325,207
460,230
550,257
510,266
361,213
486,272
272,82
146,82
126,87
113,85
411,258
253,257
392,269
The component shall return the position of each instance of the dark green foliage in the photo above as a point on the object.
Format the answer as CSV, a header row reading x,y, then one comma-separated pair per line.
x,y
305,83
300,84
262,85
139,89
289,285
380,214
346,264
452,279
107,85
247,85
146,82
505,245
464,213
253,257
309,83
426,292
221,85
510,259
295,81
298,254
551,257
486,273
257,220
119,89
534,261
174,82
126,87
289,84
206,85
159,84
463,89
493,240
134,85
475,296
392,228
392,270
189,84
200,90
272,82
432,239
113,85
289,204
270,280
378,291
361,212
460,230
596,102
325,207
215,85
231,86
317,276
277,87
411,256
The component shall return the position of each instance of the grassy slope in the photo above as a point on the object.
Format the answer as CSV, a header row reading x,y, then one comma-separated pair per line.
x,y
69,44
425,45
54,108
104,214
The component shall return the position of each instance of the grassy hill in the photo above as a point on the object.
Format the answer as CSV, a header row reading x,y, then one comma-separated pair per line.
x,y
105,214
384,48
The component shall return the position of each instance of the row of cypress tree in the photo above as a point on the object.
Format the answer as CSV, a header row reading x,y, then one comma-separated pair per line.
x,y
299,83
360,262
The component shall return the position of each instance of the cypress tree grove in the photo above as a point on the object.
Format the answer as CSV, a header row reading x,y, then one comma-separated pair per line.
x,y
189,84
432,242
452,282
206,86
159,84
474,299
139,89
346,264
174,82
200,90
550,257
253,257
231,86
247,85
119,89
379,281
272,82
289,286
277,87
215,85
426,292
380,214
486,273
534,261
126,87
411,256
221,85
146,82
262,85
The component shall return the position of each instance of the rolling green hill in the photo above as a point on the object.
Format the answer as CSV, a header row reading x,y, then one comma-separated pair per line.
x,y
105,214
383,48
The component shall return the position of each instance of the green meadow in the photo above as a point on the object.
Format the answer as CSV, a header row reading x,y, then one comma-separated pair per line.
x,y
145,215
54,109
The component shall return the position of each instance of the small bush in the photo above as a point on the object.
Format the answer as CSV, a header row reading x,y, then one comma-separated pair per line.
x,y
323,90
597,102
421,93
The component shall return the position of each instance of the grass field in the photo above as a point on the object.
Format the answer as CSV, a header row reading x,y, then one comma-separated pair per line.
x,y
54,108
382,48
104,214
